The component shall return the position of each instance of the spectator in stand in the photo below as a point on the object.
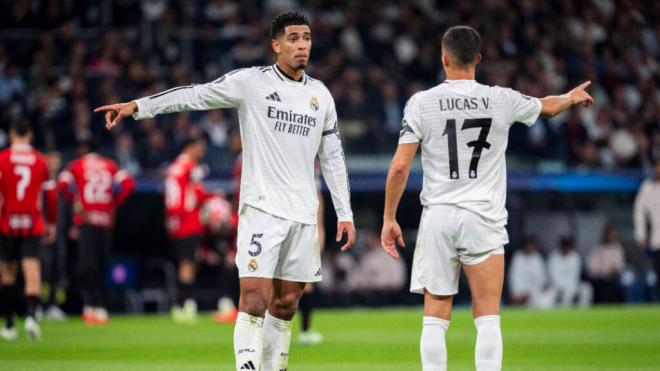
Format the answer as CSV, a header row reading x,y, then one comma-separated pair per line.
x,y
647,213
604,266
565,270
379,278
529,283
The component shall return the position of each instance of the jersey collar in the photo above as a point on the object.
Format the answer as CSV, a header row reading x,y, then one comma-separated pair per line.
x,y
285,78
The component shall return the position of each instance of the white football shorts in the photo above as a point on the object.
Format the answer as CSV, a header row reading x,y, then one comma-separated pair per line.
x,y
273,247
448,237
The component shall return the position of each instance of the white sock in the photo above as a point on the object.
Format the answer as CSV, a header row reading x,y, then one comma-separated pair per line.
x,y
488,352
248,341
277,339
432,345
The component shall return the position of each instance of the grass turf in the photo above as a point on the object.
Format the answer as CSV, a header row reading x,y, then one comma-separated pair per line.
x,y
604,338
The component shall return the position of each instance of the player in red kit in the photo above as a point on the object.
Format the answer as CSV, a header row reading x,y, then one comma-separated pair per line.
x,y
184,196
23,182
96,187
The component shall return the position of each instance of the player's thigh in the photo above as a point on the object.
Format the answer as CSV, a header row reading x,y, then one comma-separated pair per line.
x,y
438,306
486,280
436,266
259,240
300,255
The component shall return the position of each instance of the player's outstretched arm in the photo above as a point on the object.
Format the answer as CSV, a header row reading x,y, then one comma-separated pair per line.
x,y
114,113
397,177
555,104
225,92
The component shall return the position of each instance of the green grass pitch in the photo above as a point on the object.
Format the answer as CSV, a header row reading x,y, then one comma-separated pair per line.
x,y
604,338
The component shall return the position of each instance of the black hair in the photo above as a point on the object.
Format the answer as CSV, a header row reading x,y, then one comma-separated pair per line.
x,y
21,127
463,43
88,145
282,20
191,140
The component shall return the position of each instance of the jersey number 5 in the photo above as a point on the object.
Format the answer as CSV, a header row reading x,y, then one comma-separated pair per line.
x,y
477,145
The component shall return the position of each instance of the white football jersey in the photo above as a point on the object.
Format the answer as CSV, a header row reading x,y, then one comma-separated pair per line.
x,y
463,128
284,125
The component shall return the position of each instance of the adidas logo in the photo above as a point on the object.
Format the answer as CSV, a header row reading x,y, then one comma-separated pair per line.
x,y
248,366
274,97
318,273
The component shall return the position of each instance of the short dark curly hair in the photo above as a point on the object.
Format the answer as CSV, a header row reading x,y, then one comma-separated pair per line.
x,y
282,20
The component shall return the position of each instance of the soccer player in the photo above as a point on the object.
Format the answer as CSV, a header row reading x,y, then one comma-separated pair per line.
x,y
462,128
23,177
184,196
286,119
89,183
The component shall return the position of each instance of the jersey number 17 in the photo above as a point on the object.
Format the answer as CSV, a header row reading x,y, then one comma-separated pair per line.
x,y
477,145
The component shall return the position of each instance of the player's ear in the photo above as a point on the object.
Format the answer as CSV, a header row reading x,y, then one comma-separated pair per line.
x,y
477,59
445,59
276,46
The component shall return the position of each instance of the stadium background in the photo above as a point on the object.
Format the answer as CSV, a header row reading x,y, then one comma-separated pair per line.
x,y
569,176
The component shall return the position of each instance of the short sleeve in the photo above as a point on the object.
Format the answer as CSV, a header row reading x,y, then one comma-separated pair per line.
x,y
411,128
520,107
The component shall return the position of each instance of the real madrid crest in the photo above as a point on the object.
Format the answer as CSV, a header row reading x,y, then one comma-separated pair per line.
x,y
252,265
314,103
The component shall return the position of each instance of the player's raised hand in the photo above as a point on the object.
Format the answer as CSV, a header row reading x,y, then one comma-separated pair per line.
x,y
114,113
391,236
579,96
349,229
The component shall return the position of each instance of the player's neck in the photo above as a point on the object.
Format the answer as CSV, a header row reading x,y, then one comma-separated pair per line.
x,y
460,74
289,72
20,143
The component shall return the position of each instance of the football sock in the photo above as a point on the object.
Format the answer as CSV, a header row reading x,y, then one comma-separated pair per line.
x,y
8,301
305,306
248,341
488,351
432,344
184,292
277,340
32,304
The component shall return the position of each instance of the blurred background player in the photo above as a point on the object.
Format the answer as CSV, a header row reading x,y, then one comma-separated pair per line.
x,y
89,183
53,259
184,196
464,192
647,214
23,177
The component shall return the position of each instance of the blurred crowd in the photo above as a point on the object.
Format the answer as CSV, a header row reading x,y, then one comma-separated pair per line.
x,y
61,58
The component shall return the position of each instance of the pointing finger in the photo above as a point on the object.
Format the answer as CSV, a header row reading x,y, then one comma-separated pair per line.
x,y
584,85
104,108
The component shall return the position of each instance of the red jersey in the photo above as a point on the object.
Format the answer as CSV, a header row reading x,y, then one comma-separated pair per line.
x,y
184,196
90,182
23,177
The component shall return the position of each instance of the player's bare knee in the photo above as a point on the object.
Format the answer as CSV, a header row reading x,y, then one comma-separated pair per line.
x,y
285,306
253,303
